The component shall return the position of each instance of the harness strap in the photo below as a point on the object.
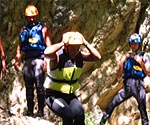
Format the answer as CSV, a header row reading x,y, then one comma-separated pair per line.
x,y
132,77
63,81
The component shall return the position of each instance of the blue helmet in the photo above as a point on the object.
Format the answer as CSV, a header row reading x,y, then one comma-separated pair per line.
x,y
135,38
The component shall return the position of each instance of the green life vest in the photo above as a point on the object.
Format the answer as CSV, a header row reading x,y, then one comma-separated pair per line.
x,y
65,77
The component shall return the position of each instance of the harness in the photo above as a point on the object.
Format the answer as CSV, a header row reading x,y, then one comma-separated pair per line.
x,y
133,69
32,38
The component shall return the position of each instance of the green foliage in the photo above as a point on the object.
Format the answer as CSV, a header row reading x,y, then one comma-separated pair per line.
x,y
89,118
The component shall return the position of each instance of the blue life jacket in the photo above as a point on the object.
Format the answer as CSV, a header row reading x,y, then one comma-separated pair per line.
x,y
32,38
133,69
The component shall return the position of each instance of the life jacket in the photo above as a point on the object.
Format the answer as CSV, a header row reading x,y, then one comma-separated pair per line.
x,y
65,77
133,69
32,38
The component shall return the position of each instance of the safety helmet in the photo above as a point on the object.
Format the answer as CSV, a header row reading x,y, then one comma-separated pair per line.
x,y
135,38
31,10
73,38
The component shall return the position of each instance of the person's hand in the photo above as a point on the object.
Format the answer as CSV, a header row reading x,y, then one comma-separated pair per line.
x,y
17,63
124,58
138,58
84,41
17,66
66,37
3,72
4,67
45,67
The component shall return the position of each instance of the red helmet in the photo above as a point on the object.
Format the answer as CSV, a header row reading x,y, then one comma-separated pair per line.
x,y
31,10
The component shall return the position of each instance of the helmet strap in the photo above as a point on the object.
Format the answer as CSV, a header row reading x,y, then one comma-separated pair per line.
x,y
68,51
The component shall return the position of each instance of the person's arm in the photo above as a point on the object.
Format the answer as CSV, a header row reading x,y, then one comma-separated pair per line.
x,y
47,36
51,53
123,59
3,58
18,55
144,65
51,50
93,54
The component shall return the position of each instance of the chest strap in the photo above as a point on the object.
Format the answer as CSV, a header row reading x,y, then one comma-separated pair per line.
x,y
63,81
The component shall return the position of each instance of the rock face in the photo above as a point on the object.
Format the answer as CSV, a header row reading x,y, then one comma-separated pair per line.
x,y
107,25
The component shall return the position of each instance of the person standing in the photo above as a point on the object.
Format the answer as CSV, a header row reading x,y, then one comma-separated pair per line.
x,y
34,38
134,67
66,62
2,59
